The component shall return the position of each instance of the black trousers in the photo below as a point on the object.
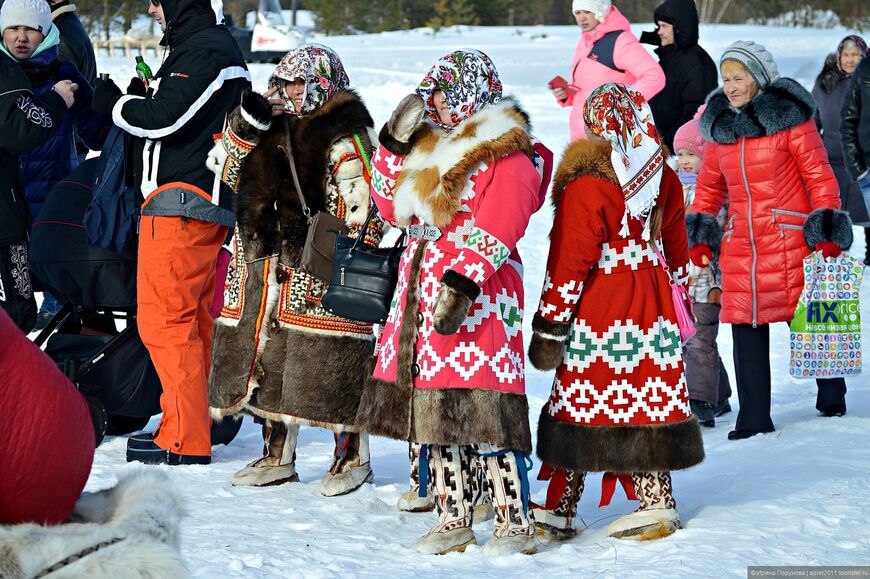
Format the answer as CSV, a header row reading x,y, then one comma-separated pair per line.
x,y
752,366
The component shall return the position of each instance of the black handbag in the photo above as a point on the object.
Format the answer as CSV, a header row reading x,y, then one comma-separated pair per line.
x,y
363,278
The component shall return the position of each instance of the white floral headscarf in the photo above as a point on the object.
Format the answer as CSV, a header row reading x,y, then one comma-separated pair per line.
x,y
468,80
322,70
622,116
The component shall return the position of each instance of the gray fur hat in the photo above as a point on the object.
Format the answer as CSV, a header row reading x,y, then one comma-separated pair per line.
x,y
755,58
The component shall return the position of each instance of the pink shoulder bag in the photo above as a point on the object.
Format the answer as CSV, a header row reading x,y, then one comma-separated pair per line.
x,y
682,302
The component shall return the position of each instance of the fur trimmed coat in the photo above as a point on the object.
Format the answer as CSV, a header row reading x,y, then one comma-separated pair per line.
x,y
277,353
768,160
475,189
606,322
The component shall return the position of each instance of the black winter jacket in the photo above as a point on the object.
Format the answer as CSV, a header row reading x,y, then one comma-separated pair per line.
x,y
26,122
855,127
199,83
75,44
690,73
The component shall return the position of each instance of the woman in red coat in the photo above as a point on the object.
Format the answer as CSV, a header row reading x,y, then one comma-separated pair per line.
x,y
607,324
765,155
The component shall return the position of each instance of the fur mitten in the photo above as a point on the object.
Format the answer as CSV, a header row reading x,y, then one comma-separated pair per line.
x,y
453,302
827,230
548,343
396,134
703,229
256,111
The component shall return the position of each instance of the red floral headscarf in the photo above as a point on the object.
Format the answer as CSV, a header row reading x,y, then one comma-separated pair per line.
x,y
322,70
620,115
469,82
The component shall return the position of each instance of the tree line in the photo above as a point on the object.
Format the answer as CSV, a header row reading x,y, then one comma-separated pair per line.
x,y
349,16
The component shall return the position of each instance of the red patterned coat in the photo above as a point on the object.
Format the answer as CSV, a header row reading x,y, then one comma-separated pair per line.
x,y
476,188
606,323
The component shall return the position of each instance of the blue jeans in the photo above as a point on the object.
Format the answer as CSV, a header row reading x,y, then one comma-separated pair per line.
x,y
865,190
50,303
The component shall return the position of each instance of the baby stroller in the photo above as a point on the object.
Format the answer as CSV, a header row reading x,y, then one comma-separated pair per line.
x,y
110,366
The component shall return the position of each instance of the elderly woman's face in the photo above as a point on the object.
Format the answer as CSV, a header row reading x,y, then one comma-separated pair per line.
x,y
850,56
739,86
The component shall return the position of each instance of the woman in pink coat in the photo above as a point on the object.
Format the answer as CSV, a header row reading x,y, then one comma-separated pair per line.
x,y
458,168
607,52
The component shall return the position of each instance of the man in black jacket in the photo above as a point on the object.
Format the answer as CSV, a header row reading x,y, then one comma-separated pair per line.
x,y
856,127
26,122
690,73
186,212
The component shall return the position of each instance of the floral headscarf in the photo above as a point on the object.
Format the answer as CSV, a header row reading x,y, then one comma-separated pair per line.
x,y
469,81
621,115
322,70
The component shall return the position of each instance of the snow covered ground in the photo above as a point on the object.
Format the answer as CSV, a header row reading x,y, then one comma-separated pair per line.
x,y
794,497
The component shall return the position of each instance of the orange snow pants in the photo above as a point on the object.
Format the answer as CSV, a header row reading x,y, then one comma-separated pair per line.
x,y
175,287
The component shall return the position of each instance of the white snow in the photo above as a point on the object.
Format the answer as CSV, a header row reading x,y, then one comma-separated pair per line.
x,y
794,497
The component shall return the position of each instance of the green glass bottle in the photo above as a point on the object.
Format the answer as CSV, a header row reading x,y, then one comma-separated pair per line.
x,y
143,71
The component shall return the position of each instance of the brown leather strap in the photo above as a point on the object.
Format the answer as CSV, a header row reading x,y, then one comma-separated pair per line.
x,y
288,151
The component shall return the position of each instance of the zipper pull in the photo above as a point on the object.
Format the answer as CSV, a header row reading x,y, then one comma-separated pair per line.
x,y
341,276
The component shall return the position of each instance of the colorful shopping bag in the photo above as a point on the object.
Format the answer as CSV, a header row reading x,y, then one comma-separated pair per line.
x,y
826,328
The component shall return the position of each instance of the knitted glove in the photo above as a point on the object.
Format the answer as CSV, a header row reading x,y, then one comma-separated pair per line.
x,y
396,134
106,94
828,231
453,302
548,343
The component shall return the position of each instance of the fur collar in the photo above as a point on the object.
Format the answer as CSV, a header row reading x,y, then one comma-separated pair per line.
x,y
784,104
582,158
435,173
266,190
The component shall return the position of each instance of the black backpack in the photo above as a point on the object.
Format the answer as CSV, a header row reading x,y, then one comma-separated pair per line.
x,y
112,217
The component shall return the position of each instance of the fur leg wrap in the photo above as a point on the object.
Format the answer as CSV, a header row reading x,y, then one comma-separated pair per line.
x,y
509,494
453,302
828,225
703,229
548,343
654,490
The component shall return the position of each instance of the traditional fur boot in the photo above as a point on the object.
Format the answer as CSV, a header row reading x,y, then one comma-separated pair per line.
x,y
449,468
509,489
481,501
657,516
555,522
411,501
351,466
278,465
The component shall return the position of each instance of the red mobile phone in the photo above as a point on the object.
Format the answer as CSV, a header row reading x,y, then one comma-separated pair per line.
x,y
558,82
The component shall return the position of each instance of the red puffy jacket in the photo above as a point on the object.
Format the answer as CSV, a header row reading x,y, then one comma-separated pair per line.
x,y
46,434
769,160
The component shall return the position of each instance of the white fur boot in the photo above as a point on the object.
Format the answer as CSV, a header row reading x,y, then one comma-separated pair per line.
x,y
555,523
449,472
278,466
657,516
351,467
411,501
514,522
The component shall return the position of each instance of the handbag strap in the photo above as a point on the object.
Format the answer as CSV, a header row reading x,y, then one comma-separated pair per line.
x,y
288,151
661,257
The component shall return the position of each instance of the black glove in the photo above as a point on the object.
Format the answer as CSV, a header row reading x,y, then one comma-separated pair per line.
x,y
106,94
136,87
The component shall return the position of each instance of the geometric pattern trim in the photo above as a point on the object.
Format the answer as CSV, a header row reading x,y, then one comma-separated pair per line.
x,y
620,401
623,346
